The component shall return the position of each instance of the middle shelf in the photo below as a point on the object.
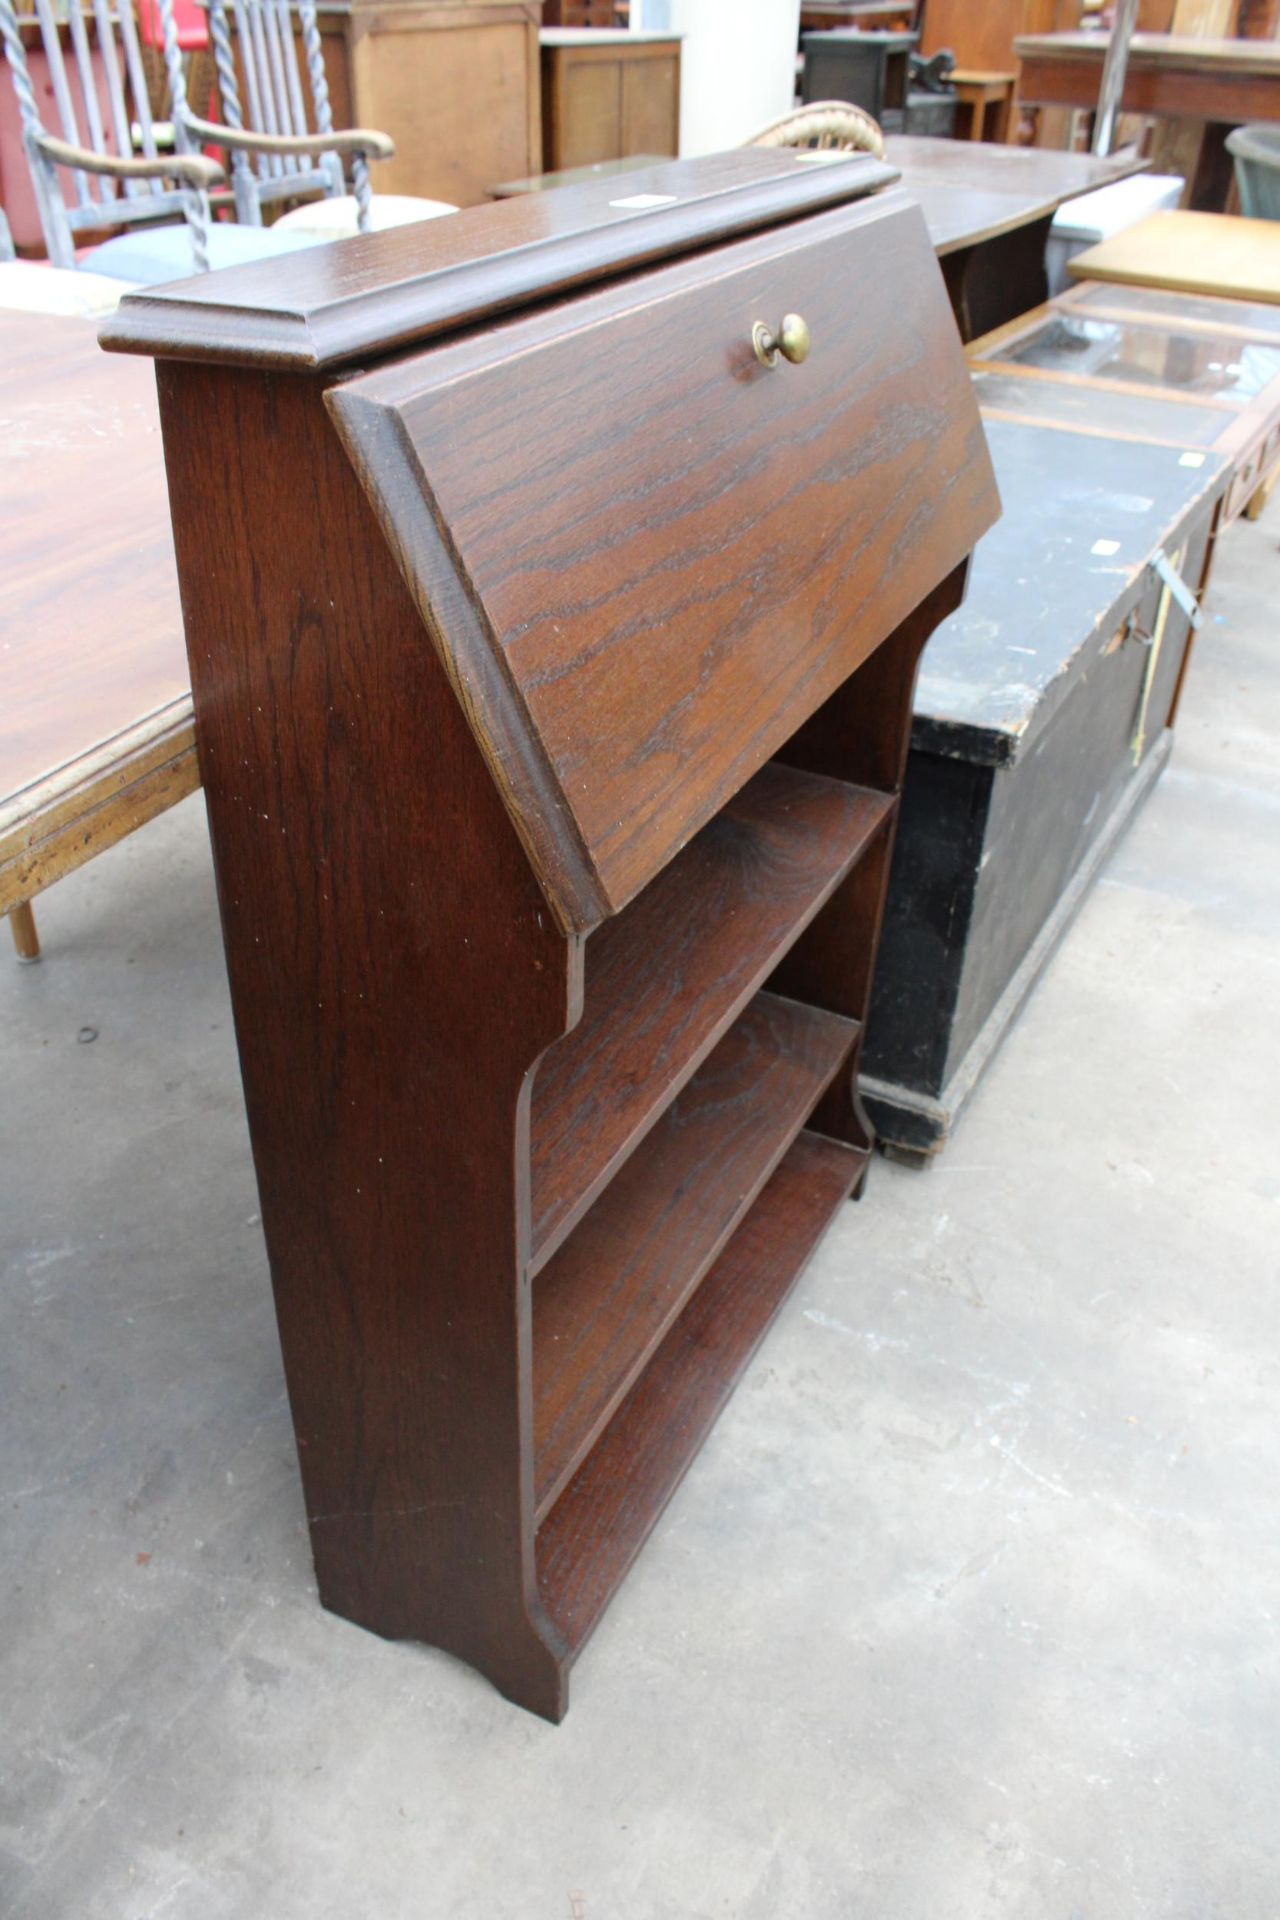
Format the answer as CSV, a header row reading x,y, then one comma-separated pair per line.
x,y
667,976
603,1305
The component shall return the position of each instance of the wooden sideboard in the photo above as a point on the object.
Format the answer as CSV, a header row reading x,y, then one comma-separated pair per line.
x,y
607,94
454,82
552,639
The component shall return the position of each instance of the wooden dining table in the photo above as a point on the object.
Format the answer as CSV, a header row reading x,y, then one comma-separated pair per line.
x,y
96,732
1211,85
989,209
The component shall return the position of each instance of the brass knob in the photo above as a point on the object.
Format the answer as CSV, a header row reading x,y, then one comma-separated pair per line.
x,y
791,341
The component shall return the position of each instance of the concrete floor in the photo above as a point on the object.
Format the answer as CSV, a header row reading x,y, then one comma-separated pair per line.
x,y
967,1609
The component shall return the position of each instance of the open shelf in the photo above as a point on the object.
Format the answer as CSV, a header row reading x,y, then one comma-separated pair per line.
x,y
606,1300
671,972
602,1519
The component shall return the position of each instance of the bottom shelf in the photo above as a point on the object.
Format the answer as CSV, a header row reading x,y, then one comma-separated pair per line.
x,y
602,1519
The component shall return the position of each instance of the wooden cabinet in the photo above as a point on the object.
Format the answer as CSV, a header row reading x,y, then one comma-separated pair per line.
x,y
454,82
606,95
552,647
982,36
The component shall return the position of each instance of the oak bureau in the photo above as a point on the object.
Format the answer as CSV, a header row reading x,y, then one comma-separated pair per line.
x,y
553,627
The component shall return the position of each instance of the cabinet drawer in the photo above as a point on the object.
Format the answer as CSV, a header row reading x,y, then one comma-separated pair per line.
x,y
662,554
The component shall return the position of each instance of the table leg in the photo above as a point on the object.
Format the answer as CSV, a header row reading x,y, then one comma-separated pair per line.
x,y
22,924
1257,503
1003,105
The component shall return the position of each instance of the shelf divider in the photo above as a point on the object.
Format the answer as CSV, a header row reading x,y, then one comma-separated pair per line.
x,y
667,977
602,1519
603,1305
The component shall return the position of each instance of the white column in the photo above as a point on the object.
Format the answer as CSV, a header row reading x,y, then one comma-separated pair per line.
x,y
737,66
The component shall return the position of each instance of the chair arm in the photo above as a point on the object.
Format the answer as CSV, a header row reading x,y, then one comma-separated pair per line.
x,y
378,146
193,169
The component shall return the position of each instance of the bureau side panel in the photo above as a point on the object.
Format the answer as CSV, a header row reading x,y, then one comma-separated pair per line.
x,y
394,976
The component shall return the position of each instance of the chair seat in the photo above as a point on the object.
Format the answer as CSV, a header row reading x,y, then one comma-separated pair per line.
x,y
334,219
152,255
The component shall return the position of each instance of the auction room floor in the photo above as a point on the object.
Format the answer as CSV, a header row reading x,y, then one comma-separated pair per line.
x,y
968,1607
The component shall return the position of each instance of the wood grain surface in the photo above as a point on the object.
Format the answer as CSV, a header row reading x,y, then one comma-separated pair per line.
x,y
1196,253
602,1519
394,975
379,291
1231,80
609,1295
609,466
665,978
684,551
92,631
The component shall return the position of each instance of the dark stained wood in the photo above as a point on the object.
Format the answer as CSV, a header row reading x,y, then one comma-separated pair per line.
x,y
375,292
677,539
1229,80
667,976
865,728
386,1026
398,973
603,1518
608,1297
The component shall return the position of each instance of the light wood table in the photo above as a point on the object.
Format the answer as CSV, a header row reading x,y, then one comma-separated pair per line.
x,y
987,98
1213,253
95,709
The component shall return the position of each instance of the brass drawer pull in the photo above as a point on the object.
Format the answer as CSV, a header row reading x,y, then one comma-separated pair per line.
x,y
791,341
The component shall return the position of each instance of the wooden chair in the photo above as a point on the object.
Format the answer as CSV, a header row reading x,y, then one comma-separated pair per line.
x,y
824,123
287,147
112,186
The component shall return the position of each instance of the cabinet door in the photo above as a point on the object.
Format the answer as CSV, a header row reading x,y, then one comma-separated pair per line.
x,y
646,556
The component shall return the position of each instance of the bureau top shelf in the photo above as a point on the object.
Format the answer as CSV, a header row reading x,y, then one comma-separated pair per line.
x,y
669,974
